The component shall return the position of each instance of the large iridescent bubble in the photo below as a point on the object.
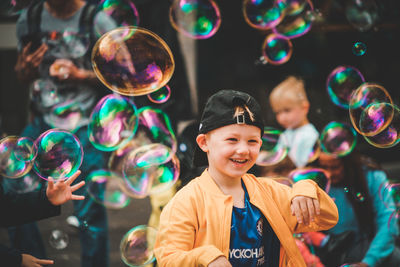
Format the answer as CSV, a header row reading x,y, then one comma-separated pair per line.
x,y
320,176
338,139
137,246
132,61
151,169
362,14
113,122
298,23
341,83
263,14
274,147
363,97
10,164
198,19
106,188
277,49
60,154
123,12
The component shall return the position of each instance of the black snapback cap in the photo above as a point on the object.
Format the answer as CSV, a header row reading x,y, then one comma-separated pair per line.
x,y
219,111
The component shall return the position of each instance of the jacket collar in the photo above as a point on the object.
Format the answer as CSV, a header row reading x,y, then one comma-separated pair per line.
x,y
211,186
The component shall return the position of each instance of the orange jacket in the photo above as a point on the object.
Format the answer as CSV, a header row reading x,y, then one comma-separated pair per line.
x,y
195,225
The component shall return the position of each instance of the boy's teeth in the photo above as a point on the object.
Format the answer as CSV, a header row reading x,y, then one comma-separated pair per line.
x,y
239,161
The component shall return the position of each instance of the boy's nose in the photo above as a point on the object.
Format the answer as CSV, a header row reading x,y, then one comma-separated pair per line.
x,y
242,149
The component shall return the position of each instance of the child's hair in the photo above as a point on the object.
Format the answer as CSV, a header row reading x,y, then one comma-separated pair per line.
x,y
292,88
239,110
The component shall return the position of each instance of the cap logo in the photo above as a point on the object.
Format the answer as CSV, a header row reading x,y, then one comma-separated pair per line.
x,y
240,119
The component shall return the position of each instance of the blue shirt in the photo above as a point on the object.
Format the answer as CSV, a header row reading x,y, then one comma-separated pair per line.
x,y
382,245
253,242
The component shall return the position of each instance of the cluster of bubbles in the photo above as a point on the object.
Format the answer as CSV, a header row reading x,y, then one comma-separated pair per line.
x,y
56,153
137,246
371,109
286,19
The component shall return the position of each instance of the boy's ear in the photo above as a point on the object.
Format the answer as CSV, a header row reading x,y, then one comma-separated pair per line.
x,y
306,106
202,142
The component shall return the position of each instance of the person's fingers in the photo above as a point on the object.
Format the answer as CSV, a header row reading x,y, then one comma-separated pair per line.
x,y
304,211
77,197
37,56
44,262
77,186
316,206
73,177
50,183
311,210
25,50
297,211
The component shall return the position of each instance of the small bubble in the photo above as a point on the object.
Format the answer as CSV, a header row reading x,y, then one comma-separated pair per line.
x,y
58,239
359,49
346,190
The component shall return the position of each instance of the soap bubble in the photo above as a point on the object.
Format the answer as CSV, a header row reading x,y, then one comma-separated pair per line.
x,y
263,14
113,122
359,49
151,169
273,149
160,96
320,176
10,164
132,61
341,83
277,49
365,95
58,239
197,19
122,12
106,188
60,154
362,14
137,246
338,139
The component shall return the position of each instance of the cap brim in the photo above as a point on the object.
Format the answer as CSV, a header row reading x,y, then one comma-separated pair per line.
x,y
199,157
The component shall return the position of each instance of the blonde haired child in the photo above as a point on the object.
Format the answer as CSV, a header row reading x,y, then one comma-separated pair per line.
x,y
290,104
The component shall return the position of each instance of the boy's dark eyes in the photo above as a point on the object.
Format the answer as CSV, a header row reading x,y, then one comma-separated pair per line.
x,y
253,141
232,139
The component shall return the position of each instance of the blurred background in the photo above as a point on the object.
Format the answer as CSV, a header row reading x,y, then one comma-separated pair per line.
x,y
363,34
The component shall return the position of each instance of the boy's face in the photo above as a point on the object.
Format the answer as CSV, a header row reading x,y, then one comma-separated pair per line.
x,y
290,114
231,150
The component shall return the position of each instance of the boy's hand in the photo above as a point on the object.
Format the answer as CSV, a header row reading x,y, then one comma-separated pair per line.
x,y
30,261
221,261
305,209
60,192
